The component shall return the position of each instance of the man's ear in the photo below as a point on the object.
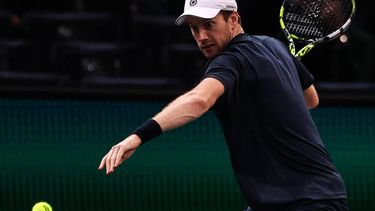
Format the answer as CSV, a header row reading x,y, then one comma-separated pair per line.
x,y
234,18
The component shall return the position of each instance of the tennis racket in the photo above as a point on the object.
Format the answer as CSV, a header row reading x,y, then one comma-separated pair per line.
x,y
309,23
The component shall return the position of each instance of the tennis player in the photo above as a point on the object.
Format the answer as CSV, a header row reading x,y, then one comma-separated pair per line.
x,y
261,95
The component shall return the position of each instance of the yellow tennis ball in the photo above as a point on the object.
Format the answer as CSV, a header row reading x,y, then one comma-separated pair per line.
x,y
42,206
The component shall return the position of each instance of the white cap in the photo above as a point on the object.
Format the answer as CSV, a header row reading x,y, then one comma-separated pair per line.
x,y
205,8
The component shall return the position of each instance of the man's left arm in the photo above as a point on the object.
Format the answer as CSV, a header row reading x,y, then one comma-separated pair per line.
x,y
311,97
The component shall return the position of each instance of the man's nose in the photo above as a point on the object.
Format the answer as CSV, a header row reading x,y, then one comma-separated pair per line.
x,y
202,35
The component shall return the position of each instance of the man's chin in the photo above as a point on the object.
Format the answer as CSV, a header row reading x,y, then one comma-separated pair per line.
x,y
209,54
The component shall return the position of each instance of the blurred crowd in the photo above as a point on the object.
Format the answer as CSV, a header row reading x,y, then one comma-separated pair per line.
x,y
83,42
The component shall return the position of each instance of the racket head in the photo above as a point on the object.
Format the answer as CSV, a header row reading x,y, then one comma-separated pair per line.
x,y
314,22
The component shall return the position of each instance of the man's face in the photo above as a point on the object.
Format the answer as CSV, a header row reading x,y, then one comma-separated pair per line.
x,y
211,35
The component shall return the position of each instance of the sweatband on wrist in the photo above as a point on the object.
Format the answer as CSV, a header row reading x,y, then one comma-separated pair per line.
x,y
148,130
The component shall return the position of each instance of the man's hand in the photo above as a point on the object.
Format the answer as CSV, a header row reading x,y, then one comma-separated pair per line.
x,y
119,153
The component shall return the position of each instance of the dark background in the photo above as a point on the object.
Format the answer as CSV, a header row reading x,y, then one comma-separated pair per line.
x,y
77,75
50,150
149,24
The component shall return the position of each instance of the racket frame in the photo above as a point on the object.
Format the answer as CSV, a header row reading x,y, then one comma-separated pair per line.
x,y
311,43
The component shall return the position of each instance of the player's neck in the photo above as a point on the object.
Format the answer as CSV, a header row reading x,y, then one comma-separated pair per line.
x,y
238,30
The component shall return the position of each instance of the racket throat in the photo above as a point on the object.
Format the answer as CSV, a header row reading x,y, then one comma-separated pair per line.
x,y
304,50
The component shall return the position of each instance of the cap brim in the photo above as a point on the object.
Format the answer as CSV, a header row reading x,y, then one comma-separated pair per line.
x,y
201,12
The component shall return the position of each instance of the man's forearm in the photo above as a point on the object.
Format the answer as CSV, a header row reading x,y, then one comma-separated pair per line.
x,y
181,111
191,105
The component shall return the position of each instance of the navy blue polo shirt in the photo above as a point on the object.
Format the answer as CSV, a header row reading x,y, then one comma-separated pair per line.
x,y
275,148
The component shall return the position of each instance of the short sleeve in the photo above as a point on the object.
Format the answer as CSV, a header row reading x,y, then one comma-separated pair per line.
x,y
225,68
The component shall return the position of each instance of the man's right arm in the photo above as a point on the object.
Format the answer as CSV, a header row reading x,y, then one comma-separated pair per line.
x,y
179,112
191,105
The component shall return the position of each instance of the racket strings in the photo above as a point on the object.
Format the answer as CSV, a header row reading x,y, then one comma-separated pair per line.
x,y
311,19
303,26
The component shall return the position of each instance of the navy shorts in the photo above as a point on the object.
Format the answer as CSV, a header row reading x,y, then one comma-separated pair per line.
x,y
307,205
